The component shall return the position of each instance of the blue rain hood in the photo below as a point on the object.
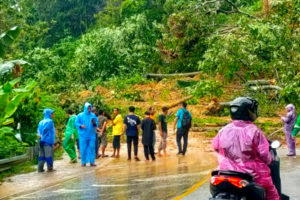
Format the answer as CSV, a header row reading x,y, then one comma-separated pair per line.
x,y
85,118
47,113
86,108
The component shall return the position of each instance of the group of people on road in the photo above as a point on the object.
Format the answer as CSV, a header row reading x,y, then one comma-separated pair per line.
x,y
88,131
241,145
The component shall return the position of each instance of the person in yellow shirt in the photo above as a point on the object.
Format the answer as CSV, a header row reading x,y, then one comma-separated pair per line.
x,y
117,132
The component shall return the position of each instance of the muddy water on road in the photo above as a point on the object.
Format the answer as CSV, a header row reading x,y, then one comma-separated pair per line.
x,y
165,178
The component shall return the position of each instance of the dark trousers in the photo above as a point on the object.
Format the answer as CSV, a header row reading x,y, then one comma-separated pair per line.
x,y
182,133
97,145
148,149
45,155
134,140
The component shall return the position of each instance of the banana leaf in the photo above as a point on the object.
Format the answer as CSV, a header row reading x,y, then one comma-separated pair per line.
x,y
7,67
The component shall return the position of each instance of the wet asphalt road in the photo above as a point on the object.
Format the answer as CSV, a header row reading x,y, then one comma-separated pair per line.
x,y
290,179
165,178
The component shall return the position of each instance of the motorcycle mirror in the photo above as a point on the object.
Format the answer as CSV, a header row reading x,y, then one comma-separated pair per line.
x,y
275,144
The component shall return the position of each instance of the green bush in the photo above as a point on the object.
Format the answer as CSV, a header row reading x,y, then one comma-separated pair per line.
x,y
105,52
206,88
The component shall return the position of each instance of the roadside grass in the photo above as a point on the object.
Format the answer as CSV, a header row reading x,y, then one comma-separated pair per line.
x,y
211,120
211,134
17,169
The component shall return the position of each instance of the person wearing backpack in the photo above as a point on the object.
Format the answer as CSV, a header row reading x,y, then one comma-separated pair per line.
x,y
183,122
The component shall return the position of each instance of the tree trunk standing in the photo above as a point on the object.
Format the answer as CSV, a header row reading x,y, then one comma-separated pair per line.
x,y
266,6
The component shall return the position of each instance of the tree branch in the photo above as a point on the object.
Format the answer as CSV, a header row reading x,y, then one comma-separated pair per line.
x,y
237,9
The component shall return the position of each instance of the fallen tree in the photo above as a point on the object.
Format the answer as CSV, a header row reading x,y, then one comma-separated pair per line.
x,y
179,102
190,74
266,87
260,82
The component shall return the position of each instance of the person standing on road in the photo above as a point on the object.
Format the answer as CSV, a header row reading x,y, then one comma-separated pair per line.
x,y
69,140
46,133
117,132
163,129
86,123
289,121
101,133
148,126
94,111
132,126
183,121
152,116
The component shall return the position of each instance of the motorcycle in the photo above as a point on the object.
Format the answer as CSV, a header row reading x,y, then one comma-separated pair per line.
x,y
232,185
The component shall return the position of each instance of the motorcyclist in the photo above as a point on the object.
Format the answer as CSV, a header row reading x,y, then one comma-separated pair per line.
x,y
242,146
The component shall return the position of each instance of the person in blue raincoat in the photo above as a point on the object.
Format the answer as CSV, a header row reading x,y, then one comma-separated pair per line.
x,y
46,133
86,123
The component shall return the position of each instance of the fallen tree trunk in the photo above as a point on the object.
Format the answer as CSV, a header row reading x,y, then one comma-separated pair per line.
x,y
172,75
179,102
266,87
260,82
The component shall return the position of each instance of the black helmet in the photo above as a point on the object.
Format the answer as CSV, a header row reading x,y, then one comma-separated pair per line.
x,y
244,108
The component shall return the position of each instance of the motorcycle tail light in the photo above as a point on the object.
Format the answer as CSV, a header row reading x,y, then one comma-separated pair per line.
x,y
216,180
237,182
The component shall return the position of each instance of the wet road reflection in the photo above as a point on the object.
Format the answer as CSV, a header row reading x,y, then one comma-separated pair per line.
x,y
166,178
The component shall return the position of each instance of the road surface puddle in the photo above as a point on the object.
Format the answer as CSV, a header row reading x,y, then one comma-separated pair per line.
x,y
165,178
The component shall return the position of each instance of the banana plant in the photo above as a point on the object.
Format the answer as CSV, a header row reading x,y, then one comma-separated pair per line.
x,y
10,98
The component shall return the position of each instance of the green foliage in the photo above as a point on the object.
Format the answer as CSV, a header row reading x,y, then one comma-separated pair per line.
x,y
165,94
46,68
256,47
30,113
7,38
132,95
66,18
197,122
206,88
105,52
192,101
183,83
10,99
291,91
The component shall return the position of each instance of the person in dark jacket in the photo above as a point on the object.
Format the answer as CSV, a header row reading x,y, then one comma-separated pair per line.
x,y
148,126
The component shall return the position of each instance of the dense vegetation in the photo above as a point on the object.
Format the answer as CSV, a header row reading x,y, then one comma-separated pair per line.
x,y
68,46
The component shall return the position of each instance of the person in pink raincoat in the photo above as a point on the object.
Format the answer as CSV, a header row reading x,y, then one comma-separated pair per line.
x,y
289,123
242,146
